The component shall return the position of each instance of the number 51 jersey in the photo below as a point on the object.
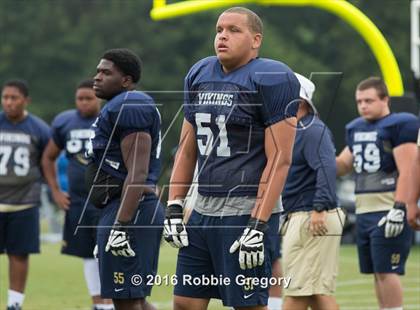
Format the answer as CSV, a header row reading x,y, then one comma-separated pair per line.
x,y
372,144
21,147
230,113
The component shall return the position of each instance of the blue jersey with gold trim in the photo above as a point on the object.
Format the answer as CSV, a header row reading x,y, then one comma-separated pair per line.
x,y
230,113
372,144
128,112
71,132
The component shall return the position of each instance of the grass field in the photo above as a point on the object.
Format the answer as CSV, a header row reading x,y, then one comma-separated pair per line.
x,y
56,282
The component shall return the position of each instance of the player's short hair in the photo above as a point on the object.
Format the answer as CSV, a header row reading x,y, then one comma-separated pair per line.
x,y
21,85
374,82
126,60
85,84
254,21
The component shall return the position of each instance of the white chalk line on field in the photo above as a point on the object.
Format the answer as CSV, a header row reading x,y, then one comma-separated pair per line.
x,y
412,261
368,292
406,307
367,281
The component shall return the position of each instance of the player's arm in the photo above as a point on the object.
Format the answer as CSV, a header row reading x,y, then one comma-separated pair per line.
x,y
278,143
185,160
182,174
413,211
322,160
344,162
135,148
49,157
404,155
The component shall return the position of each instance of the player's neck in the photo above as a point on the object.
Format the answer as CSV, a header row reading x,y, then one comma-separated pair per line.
x,y
89,115
17,119
229,67
378,118
384,114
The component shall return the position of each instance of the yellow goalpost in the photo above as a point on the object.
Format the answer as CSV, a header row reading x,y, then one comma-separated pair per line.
x,y
341,8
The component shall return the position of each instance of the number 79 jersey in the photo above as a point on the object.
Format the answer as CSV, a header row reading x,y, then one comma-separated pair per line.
x,y
21,147
230,113
372,144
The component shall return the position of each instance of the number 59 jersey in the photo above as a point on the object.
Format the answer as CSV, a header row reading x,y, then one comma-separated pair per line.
x,y
21,147
230,113
372,144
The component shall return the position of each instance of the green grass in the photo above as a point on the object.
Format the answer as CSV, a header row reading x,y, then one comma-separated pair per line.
x,y
56,282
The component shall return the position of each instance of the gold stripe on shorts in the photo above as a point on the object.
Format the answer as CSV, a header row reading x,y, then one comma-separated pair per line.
x,y
14,208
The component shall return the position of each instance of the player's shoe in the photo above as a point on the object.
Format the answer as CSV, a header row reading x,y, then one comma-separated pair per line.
x,y
98,308
14,307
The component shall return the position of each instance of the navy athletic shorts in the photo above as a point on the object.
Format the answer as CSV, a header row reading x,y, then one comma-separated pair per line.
x,y
378,254
207,257
80,241
127,277
19,231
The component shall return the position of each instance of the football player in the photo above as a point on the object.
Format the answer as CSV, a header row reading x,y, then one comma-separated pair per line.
x,y
124,169
240,126
413,210
380,149
23,138
71,132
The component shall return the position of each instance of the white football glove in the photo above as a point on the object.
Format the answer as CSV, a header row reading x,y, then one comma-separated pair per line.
x,y
174,231
394,220
119,242
251,245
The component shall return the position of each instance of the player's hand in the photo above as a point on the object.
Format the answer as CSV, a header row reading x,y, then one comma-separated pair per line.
x,y
413,216
62,199
394,220
317,223
174,230
251,244
119,241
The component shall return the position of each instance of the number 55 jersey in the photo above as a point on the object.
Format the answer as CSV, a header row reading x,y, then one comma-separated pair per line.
x,y
21,147
372,144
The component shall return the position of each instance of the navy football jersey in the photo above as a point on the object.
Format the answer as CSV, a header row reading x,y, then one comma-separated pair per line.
x,y
71,132
371,144
129,112
21,147
312,176
230,113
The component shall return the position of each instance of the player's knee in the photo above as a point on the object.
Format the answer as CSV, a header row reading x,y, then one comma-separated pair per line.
x,y
19,258
186,303
129,304
320,301
180,303
383,277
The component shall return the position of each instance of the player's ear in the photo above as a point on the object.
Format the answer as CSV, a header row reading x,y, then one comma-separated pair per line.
x,y
28,100
127,81
257,40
